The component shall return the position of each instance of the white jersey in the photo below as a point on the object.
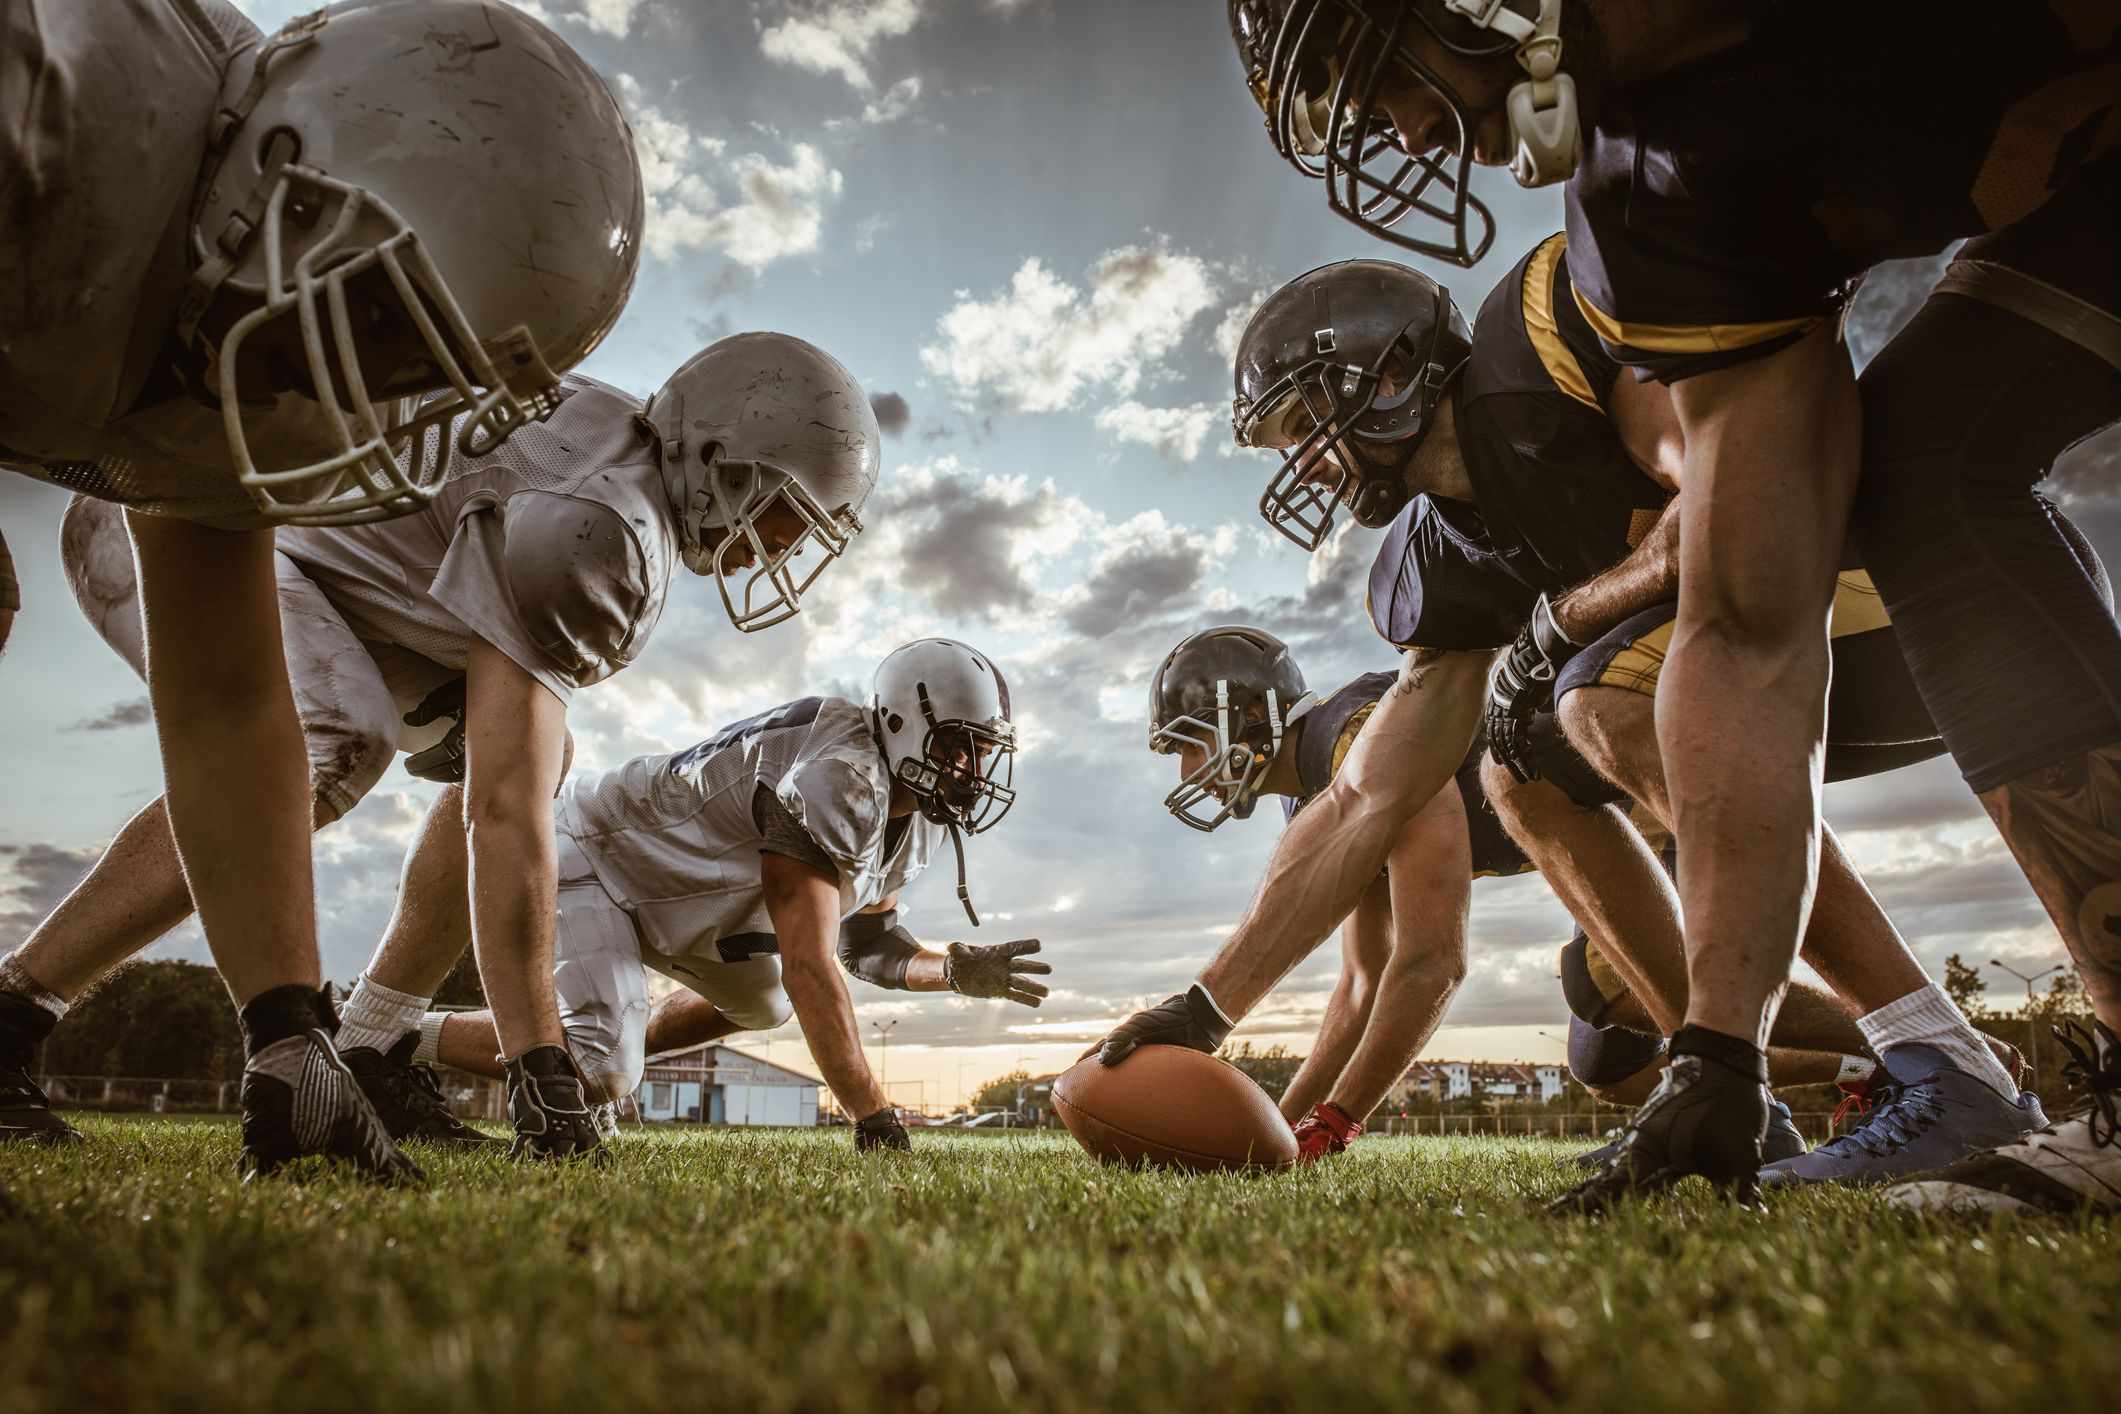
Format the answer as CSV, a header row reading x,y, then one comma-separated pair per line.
x,y
557,548
105,108
672,838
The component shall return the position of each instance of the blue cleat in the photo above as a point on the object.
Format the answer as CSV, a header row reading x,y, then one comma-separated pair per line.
x,y
1933,1114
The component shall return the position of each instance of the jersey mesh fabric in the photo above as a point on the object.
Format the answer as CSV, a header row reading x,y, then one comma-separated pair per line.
x,y
673,838
570,614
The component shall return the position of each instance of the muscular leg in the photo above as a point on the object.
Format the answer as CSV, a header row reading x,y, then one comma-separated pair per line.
x,y
430,926
1365,945
217,673
685,1019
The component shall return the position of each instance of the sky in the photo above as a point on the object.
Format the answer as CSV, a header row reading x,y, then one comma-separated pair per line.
x,y
1033,229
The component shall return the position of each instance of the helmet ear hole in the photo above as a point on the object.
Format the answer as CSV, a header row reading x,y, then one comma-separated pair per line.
x,y
894,723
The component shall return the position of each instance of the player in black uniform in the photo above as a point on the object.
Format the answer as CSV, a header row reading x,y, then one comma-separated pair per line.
x,y
1739,167
1518,448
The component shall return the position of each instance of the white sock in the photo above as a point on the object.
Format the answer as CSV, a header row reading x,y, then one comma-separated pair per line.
x,y
429,1051
377,1018
1928,1017
14,977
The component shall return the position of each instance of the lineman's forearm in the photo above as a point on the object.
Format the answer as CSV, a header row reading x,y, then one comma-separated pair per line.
x,y
1347,1013
1411,999
826,1015
514,892
1647,577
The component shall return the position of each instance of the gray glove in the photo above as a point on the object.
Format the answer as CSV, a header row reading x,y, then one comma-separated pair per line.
x,y
997,970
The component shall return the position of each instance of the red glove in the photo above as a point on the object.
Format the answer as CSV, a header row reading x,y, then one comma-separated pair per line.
x,y
1326,1130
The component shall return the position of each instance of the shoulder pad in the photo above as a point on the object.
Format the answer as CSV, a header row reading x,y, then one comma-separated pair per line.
x,y
579,582
1437,584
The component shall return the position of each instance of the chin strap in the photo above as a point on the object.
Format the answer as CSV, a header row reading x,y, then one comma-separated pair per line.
x,y
1545,135
964,894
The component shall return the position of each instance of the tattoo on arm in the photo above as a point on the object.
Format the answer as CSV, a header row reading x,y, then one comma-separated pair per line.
x,y
1412,670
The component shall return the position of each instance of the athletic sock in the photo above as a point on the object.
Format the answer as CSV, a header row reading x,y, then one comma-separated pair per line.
x,y
15,979
429,1051
1928,1017
377,1017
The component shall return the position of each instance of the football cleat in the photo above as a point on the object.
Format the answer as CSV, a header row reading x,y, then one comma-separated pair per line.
x,y
2068,1166
1784,1140
408,1098
550,1110
299,1100
1326,1130
25,1111
1932,1114
1704,1118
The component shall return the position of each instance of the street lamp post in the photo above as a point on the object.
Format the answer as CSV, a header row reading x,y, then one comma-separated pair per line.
x,y
883,1061
2032,1027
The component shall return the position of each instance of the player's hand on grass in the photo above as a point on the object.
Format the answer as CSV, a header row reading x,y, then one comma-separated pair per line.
x,y
998,970
882,1130
1523,687
1189,1019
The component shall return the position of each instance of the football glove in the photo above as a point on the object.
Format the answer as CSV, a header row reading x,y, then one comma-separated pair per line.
x,y
1326,1130
1523,687
882,1130
996,970
1189,1019
443,761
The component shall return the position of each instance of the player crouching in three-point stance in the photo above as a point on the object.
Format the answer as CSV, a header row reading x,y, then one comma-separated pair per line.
x,y
538,568
1733,171
1524,482
738,868
231,270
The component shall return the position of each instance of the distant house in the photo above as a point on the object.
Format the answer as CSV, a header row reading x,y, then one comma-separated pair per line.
x,y
1461,1080
719,1084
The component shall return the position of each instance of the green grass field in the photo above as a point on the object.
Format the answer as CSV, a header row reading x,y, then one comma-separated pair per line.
x,y
776,1271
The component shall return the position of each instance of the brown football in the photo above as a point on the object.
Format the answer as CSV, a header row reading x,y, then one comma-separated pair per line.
x,y
1174,1106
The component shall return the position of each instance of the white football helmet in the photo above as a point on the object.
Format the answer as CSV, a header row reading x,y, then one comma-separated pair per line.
x,y
753,423
941,711
468,155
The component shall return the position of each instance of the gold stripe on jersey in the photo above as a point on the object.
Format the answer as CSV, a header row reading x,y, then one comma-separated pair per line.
x,y
1687,338
1539,323
1642,522
1351,729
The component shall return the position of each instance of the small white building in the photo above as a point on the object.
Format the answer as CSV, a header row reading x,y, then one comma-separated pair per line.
x,y
719,1084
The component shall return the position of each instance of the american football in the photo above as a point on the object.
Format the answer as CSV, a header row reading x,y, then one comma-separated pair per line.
x,y
1173,1106
1059,705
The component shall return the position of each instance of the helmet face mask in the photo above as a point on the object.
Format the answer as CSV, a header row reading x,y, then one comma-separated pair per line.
x,y
1236,755
1345,402
363,161
1231,694
737,499
942,717
493,388
1320,71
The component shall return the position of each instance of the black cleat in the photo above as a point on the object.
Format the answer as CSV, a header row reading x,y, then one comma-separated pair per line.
x,y
408,1098
1704,1118
552,1115
25,1111
299,1099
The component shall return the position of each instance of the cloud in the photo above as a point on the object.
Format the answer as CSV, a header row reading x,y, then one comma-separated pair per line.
x,y
1891,294
1042,343
780,207
1230,329
1147,567
35,878
1175,434
966,540
135,713
892,413
838,37
612,17
895,103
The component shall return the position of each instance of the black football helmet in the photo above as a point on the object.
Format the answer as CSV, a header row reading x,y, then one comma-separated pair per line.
x,y
1340,370
1318,70
1233,692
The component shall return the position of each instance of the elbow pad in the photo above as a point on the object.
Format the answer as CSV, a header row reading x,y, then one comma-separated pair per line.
x,y
876,949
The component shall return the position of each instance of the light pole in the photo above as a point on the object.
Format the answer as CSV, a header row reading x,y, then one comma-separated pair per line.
x,y
883,1063
2032,1027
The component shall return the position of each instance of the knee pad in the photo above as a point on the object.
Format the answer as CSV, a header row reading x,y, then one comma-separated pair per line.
x,y
1587,1001
1607,1055
761,1013
346,759
611,1061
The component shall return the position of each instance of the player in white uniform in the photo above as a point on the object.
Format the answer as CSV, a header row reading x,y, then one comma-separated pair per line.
x,y
230,269
546,560
738,867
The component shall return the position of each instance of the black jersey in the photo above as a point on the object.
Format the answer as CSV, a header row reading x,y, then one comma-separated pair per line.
x,y
1328,733
1723,210
1557,499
